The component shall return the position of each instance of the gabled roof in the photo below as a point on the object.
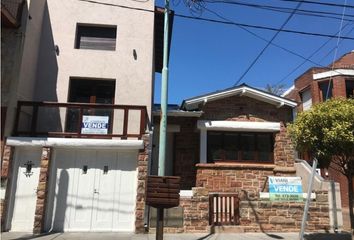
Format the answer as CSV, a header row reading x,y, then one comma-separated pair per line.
x,y
241,90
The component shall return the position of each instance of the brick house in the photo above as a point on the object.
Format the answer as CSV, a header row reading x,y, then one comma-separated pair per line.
x,y
318,84
74,132
224,145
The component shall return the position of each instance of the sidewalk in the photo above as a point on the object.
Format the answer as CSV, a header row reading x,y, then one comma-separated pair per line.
x,y
216,236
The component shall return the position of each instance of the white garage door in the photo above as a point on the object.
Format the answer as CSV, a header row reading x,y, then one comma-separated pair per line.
x,y
94,190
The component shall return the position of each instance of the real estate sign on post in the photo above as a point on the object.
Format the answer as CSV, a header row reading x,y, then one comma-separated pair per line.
x,y
285,189
94,124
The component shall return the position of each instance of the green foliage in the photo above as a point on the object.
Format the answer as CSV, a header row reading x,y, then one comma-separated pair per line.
x,y
326,130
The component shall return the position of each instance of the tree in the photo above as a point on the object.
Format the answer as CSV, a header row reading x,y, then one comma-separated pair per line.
x,y
275,89
327,131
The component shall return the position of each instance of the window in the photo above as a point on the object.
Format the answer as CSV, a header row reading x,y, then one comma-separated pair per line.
x,y
306,99
96,37
326,90
242,147
349,88
90,91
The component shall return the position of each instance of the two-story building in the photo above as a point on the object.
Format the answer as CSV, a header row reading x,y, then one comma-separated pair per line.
x,y
318,84
77,129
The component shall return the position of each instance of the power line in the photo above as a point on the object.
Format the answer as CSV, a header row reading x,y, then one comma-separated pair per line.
x,y
227,22
315,52
322,14
320,3
267,45
335,53
266,40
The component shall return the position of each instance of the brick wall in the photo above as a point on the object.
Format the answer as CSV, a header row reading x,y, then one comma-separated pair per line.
x,y
42,191
141,190
6,169
240,178
256,216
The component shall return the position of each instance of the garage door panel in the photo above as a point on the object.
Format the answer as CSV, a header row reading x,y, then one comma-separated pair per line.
x,y
106,194
83,187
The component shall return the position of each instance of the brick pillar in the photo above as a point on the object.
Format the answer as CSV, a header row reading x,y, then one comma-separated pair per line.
x,y
42,190
284,154
6,169
143,160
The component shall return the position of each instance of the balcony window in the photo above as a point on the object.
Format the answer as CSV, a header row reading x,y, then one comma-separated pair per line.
x,y
239,147
96,37
90,91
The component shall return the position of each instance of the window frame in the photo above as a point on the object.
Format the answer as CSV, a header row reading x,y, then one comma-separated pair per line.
x,y
240,149
77,41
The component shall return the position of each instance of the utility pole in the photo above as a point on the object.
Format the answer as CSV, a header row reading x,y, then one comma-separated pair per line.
x,y
163,121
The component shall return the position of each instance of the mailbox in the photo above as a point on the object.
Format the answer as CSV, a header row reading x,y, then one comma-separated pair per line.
x,y
163,191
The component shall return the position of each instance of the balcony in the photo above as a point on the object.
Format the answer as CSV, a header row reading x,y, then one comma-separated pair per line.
x,y
80,120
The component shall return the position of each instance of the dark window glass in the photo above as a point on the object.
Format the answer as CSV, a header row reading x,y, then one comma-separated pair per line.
x,y
248,146
349,88
231,146
96,37
264,146
326,90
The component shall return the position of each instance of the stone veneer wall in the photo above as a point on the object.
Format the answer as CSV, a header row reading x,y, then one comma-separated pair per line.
x,y
6,167
143,159
266,216
234,178
42,191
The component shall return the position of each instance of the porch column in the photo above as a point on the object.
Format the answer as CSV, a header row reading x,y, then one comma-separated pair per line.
x,y
203,146
6,170
42,190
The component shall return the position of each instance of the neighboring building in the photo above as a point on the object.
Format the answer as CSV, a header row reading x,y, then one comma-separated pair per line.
x,y
77,126
224,145
315,86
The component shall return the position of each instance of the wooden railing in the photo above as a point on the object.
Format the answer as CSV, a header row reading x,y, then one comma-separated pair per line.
x,y
224,209
53,119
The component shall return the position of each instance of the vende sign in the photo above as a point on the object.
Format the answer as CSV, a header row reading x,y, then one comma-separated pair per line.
x,y
94,124
285,189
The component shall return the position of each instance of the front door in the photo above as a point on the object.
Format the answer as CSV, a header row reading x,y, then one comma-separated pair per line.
x,y
24,190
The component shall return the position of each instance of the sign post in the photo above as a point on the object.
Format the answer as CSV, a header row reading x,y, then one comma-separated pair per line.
x,y
308,199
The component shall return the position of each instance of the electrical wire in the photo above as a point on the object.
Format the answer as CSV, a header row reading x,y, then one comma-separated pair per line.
x,y
336,51
267,45
312,54
226,22
322,14
320,3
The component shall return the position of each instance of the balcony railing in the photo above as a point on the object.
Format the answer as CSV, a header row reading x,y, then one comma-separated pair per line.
x,y
80,120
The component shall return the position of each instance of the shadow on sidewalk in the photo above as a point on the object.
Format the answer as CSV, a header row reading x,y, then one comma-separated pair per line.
x,y
328,236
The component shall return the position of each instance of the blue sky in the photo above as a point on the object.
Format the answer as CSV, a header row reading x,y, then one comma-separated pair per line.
x,y
209,56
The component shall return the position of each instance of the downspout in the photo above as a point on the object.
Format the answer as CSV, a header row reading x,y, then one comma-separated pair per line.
x,y
150,159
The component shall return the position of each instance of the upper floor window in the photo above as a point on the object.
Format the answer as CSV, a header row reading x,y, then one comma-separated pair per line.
x,y
246,147
326,90
349,88
306,99
96,37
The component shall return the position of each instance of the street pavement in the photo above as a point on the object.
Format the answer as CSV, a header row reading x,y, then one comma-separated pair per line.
x,y
182,236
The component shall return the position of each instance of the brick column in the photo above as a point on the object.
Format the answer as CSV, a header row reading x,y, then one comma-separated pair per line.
x,y
42,190
6,169
284,154
143,160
